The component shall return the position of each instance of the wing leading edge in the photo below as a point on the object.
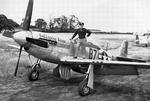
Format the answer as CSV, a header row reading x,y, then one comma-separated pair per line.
x,y
67,60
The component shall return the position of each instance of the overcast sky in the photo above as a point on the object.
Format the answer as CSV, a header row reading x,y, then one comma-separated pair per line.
x,y
107,15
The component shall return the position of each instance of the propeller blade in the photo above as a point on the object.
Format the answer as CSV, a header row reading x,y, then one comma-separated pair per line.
x,y
38,42
18,61
27,20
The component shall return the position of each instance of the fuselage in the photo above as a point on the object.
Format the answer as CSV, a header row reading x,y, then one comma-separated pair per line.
x,y
143,40
57,47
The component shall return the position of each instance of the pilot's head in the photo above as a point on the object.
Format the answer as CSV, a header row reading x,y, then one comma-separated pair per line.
x,y
81,24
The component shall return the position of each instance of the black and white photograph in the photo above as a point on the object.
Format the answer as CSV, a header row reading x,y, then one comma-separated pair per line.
x,y
74,50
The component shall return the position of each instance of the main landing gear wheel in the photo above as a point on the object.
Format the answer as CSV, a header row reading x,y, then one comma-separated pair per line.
x,y
84,89
33,75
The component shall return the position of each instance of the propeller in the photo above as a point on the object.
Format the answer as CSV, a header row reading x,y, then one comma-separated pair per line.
x,y
27,20
26,25
18,61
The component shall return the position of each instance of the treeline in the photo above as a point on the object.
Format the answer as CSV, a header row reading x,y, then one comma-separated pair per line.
x,y
6,23
59,24
55,25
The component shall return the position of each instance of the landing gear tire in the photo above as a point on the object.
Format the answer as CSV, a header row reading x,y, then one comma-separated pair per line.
x,y
33,75
56,72
84,90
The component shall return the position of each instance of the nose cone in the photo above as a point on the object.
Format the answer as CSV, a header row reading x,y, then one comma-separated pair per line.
x,y
20,37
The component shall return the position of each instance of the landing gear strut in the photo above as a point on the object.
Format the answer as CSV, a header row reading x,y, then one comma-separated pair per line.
x,y
34,73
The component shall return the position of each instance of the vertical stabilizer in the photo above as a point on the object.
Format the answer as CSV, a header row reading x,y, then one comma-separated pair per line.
x,y
137,39
123,49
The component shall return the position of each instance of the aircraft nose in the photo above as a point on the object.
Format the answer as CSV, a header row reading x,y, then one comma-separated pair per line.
x,y
20,37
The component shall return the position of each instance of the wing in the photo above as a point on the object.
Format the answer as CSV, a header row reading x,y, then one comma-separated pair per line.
x,y
68,60
14,46
129,59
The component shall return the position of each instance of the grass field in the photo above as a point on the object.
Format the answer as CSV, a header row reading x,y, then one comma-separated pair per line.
x,y
49,88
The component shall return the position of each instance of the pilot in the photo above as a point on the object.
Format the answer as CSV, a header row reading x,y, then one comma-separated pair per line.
x,y
81,42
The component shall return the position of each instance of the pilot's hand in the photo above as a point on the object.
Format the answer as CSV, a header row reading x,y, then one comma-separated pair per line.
x,y
70,39
86,36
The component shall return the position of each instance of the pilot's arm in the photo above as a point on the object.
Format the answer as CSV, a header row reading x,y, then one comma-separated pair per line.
x,y
89,33
74,35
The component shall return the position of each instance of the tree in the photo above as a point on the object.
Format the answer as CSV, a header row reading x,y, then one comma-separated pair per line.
x,y
40,23
73,22
51,24
7,23
64,23
13,23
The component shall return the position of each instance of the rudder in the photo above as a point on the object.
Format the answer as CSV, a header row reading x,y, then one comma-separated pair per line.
x,y
124,49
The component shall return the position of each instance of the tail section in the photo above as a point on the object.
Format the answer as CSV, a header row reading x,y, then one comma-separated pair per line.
x,y
137,39
123,49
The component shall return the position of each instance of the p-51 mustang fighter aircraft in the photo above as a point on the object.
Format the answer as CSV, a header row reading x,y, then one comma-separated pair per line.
x,y
143,39
52,48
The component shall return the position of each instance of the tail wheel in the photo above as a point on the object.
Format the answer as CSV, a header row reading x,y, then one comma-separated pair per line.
x,y
84,89
146,45
33,75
